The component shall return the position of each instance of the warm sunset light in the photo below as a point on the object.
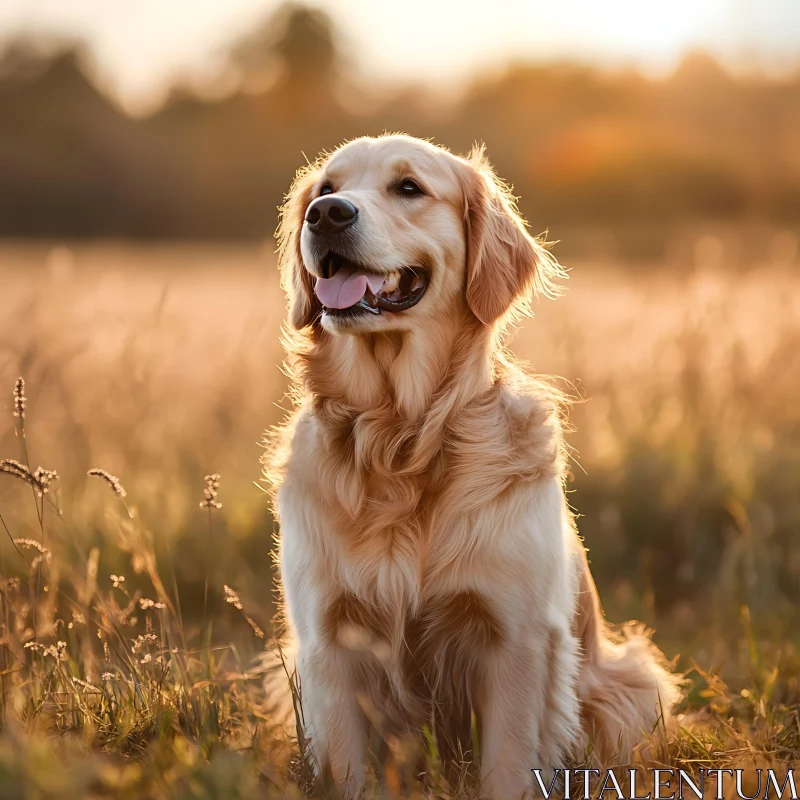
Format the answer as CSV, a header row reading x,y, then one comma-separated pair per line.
x,y
138,46
399,399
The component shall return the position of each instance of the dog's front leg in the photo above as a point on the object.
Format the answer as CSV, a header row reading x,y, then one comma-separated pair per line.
x,y
334,721
327,674
528,711
510,710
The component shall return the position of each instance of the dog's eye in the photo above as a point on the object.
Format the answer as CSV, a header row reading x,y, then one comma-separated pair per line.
x,y
408,188
326,189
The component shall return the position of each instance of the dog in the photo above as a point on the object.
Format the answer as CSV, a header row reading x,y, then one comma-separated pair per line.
x,y
430,567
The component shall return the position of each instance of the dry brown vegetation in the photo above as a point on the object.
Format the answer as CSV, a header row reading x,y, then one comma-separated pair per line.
x,y
130,623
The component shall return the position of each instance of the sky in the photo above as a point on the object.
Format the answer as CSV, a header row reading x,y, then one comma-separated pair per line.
x,y
140,46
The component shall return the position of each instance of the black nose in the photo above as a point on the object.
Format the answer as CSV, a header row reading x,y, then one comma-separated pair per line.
x,y
330,214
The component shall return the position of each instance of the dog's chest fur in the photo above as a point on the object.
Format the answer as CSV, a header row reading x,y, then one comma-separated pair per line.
x,y
402,553
399,520
418,667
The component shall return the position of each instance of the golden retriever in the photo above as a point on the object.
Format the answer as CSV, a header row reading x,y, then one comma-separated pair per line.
x,y
430,566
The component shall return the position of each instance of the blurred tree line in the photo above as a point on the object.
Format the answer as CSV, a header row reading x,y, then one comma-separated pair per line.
x,y
581,146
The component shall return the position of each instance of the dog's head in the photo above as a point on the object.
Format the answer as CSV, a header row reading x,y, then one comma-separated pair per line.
x,y
385,233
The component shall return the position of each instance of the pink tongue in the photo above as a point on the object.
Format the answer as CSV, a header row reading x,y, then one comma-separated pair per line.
x,y
346,287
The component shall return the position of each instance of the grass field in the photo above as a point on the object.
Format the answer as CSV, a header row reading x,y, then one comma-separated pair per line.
x,y
133,625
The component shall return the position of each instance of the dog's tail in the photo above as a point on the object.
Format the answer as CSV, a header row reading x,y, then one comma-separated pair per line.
x,y
627,690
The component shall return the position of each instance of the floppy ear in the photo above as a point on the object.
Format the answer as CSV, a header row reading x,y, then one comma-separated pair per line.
x,y
505,264
296,280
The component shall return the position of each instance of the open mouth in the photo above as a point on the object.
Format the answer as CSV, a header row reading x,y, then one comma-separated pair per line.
x,y
349,287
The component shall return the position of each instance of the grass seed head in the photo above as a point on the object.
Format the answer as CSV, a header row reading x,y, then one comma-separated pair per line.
x,y
210,492
232,598
40,478
13,467
43,478
33,544
111,480
19,398
146,603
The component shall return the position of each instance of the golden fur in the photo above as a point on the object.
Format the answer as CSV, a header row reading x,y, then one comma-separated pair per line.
x,y
429,563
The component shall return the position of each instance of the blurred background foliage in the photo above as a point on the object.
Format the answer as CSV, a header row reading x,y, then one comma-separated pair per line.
x,y
582,146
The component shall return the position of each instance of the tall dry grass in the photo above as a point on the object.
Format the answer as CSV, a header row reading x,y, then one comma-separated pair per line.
x,y
135,610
